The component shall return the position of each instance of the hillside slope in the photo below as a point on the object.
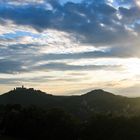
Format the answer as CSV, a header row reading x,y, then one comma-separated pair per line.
x,y
96,101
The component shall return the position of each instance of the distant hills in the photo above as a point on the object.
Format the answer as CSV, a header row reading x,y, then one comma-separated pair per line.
x,y
96,101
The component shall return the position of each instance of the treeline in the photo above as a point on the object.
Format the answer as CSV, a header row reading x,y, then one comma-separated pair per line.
x,y
33,123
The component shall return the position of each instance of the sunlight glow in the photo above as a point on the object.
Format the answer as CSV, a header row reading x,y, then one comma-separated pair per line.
x,y
137,2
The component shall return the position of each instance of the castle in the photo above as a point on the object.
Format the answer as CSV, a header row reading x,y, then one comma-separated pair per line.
x,y
20,88
23,88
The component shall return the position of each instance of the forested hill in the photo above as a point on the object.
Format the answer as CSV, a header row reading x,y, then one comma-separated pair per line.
x,y
96,101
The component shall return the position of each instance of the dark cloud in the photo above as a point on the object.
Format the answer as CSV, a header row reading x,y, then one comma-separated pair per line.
x,y
70,67
92,22
130,14
14,67
7,66
83,19
128,3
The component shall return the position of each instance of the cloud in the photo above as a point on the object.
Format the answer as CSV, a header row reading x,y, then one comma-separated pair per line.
x,y
41,38
7,66
69,67
83,19
113,52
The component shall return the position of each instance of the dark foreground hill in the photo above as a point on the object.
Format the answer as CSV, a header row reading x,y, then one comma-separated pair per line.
x,y
28,114
96,101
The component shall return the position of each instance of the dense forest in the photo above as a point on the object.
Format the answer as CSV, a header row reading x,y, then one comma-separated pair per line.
x,y
34,123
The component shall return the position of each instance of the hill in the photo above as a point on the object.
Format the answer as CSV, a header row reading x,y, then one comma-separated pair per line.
x,y
96,101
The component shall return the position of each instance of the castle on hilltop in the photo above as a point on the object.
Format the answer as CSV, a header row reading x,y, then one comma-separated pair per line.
x,y
22,88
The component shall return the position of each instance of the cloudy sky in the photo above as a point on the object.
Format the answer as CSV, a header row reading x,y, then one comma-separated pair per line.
x,y
70,46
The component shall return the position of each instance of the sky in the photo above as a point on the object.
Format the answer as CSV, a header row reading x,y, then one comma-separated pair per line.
x,y
69,47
